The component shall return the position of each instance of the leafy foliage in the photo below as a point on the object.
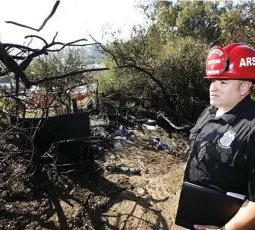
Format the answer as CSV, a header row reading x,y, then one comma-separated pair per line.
x,y
238,24
167,56
58,63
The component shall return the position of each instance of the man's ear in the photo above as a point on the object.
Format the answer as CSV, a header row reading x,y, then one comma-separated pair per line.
x,y
245,87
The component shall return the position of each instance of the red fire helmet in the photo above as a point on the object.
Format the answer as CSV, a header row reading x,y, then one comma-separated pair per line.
x,y
234,61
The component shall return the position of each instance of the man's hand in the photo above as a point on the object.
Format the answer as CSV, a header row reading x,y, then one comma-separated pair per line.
x,y
205,227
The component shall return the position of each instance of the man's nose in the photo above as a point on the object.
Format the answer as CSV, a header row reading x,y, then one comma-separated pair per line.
x,y
214,86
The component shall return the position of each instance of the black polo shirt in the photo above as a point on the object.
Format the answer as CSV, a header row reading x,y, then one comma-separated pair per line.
x,y
222,150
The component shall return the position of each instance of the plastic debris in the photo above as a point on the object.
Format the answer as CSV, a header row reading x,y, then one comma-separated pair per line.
x,y
159,145
149,127
123,132
150,122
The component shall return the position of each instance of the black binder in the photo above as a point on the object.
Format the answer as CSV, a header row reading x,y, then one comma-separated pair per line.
x,y
205,206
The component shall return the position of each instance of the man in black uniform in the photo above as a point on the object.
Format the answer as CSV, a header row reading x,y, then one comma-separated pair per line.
x,y
222,143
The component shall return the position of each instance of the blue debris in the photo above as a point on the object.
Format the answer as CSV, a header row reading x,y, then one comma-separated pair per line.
x,y
159,145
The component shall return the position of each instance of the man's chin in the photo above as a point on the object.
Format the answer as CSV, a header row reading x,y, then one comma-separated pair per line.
x,y
214,103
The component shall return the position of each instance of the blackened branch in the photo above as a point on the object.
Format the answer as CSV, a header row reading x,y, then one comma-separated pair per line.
x,y
18,24
18,57
21,47
12,66
35,36
23,65
46,79
43,24
51,14
46,49
53,40
73,43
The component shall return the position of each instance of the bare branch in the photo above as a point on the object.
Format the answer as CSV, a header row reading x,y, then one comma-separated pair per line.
x,y
21,47
18,57
18,24
30,57
43,24
45,50
12,66
108,51
35,53
30,42
53,40
67,44
35,36
46,79
51,14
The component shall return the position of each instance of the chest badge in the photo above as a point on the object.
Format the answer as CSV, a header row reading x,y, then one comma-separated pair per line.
x,y
227,138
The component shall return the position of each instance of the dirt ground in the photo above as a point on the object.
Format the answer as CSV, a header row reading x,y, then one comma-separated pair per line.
x,y
152,200
148,200
107,199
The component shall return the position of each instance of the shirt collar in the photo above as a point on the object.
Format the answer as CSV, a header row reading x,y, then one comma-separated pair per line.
x,y
231,115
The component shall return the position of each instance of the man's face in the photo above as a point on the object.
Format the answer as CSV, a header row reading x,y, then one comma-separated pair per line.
x,y
225,94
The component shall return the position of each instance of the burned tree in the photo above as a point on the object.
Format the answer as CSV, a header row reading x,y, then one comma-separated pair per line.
x,y
26,111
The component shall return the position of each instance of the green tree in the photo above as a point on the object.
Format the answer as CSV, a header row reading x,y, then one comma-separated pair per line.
x,y
197,18
149,66
56,64
238,23
167,58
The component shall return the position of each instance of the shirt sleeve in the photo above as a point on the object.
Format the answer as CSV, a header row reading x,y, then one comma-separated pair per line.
x,y
251,167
